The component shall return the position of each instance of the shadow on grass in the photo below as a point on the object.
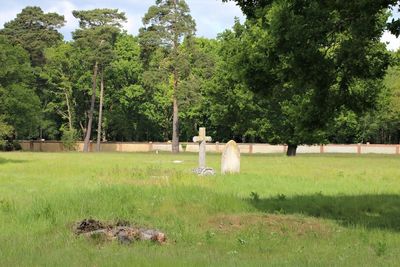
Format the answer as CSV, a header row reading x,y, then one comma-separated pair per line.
x,y
370,211
3,161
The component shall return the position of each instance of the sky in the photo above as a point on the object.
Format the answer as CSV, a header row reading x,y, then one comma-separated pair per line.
x,y
211,16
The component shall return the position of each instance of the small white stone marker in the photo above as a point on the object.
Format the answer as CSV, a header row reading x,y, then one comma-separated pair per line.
x,y
230,161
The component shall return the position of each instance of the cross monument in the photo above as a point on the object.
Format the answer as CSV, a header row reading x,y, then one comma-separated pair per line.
x,y
202,139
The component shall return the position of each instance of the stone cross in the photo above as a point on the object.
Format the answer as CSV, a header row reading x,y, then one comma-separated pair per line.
x,y
202,139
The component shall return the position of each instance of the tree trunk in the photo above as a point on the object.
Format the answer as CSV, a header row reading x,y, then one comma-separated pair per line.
x,y
100,110
291,151
175,126
91,111
69,111
175,120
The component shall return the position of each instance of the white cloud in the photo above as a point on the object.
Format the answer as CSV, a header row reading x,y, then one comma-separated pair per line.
x,y
392,42
214,17
65,8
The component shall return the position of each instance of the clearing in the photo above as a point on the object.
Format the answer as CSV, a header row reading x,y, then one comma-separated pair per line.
x,y
310,210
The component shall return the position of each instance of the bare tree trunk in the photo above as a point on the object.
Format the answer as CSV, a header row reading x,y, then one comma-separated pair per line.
x,y
175,119
291,152
69,111
100,110
175,126
82,127
92,101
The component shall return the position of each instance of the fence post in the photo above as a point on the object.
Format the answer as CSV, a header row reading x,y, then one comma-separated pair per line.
x,y
321,149
358,148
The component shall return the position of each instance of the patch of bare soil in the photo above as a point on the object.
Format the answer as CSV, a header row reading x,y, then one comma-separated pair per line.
x,y
272,223
121,231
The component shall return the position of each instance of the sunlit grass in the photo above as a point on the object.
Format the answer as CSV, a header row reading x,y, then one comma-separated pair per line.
x,y
309,210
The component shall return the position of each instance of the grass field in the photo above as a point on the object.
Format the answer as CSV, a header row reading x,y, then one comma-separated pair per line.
x,y
314,210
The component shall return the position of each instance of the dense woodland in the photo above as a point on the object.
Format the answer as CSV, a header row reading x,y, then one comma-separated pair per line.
x,y
295,72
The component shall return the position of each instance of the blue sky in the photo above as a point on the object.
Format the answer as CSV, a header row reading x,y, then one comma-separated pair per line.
x,y
212,16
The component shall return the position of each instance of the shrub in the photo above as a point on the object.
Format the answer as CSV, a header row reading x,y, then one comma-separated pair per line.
x,y
68,139
184,147
6,145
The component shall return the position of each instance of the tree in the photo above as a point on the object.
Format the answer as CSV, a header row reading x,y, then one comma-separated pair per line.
x,y
59,72
394,25
311,59
167,24
137,107
35,31
199,68
235,111
383,124
19,104
97,33
5,130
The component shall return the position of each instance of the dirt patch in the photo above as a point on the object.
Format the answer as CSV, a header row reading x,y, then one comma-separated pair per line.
x,y
273,223
121,231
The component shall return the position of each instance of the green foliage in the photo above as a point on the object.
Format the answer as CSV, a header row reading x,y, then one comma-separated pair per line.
x,y
132,108
296,72
8,145
97,33
166,25
19,104
5,130
95,39
34,30
311,60
60,75
394,25
69,138
235,111
345,128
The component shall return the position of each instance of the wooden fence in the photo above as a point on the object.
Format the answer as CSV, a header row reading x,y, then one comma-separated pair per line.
x,y
56,146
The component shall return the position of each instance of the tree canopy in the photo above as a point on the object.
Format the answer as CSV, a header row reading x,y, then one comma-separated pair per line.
x,y
295,72
311,59
34,30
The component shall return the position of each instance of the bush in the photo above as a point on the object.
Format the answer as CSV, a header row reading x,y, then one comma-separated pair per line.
x,y
69,139
16,145
7,145
184,147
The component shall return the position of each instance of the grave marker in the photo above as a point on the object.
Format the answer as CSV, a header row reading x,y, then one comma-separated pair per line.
x,y
230,161
202,139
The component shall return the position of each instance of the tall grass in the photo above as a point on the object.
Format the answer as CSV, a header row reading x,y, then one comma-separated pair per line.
x,y
310,210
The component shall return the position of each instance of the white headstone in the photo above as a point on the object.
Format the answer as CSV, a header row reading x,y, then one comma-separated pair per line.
x,y
230,162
